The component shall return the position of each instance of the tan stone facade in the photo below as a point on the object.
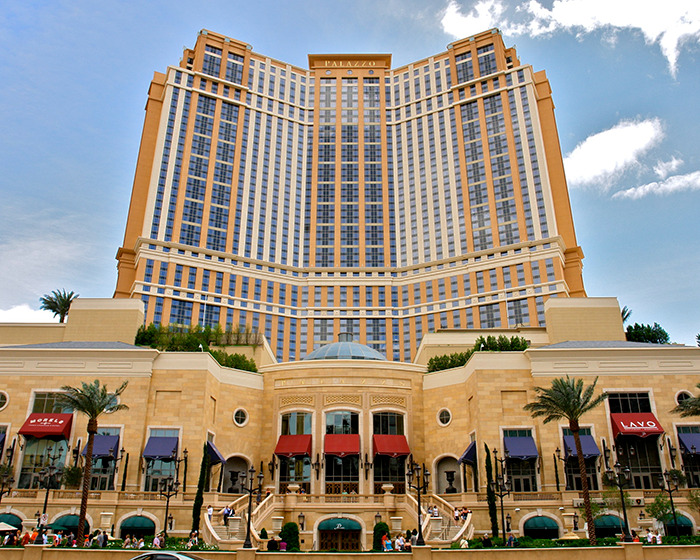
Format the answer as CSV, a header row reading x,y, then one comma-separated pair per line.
x,y
245,414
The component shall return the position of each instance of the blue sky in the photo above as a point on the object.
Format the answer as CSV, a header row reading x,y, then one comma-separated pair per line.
x,y
625,76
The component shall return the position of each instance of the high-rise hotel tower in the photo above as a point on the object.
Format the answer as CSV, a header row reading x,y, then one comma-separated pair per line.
x,y
350,196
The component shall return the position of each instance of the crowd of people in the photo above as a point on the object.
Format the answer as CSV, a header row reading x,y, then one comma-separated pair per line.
x,y
400,542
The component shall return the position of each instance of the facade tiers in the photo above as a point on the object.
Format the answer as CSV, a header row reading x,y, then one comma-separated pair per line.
x,y
191,398
349,196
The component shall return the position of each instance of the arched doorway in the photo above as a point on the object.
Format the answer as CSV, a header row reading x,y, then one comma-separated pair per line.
x,y
448,479
683,526
339,533
608,526
137,526
11,519
68,524
541,527
234,466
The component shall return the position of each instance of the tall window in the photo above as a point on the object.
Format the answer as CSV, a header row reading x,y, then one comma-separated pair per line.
x,y
342,473
297,469
46,403
103,468
342,422
641,455
387,469
296,423
573,475
158,469
389,423
521,473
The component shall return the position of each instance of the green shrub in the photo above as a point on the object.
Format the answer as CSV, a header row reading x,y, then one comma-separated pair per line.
x,y
263,534
380,529
290,535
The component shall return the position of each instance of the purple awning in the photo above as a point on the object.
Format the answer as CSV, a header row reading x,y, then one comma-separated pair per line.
x,y
469,455
588,446
522,448
160,447
102,445
215,457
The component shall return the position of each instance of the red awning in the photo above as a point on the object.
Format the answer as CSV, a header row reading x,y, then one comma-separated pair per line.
x,y
394,446
291,446
52,426
640,424
342,444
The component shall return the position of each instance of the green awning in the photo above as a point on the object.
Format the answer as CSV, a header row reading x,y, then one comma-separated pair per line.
x,y
138,522
541,522
681,521
11,519
339,524
608,522
68,523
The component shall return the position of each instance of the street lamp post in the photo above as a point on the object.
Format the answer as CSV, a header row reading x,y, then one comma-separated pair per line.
x,y
557,456
246,479
665,481
501,487
422,476
620,477
46,477
168,488
177,460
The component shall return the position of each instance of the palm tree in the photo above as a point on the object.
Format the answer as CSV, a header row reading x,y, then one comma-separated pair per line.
x,y
625,313
567,398
689,407
92,399
58,302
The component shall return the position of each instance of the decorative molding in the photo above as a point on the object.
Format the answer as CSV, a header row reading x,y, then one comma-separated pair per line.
x,y
329,400
307,400
379,400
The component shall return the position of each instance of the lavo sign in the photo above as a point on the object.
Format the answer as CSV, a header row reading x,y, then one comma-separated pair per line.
x,y
643,426
639,424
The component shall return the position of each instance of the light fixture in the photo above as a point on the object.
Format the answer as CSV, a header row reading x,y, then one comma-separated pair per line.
x,y
317,466
377,518
575,520
301,518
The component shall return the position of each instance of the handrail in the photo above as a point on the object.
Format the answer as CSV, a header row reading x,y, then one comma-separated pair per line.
x,y
463,529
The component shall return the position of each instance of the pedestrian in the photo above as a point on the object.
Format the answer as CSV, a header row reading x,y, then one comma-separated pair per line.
x,y
156,541
635,536
650,536
226,514
105,539
511,540
210,512
658,537
127,542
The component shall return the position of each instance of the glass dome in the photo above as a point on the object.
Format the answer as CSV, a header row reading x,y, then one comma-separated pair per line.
x,y
344,349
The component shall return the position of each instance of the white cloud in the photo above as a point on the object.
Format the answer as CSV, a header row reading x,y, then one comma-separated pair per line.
x,y
664,168
25,314
603,157
669,26
687,182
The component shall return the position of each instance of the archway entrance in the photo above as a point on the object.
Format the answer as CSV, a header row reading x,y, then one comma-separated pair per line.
x,y
448,476
234,466
137,526
339,534
541,527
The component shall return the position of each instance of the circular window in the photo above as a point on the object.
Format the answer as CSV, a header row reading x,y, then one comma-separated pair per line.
x,y
328,72
240,417
3,399
371,71
349,72
444,417
683,396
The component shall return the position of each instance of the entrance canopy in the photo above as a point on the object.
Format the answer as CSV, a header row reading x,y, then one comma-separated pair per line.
x,y
391,445
339,524
215,457
522,448
53,426
469,455
642,424
102,446
690,443
161,447
341,445
540,522
292,446
609,522
588,446
138,522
